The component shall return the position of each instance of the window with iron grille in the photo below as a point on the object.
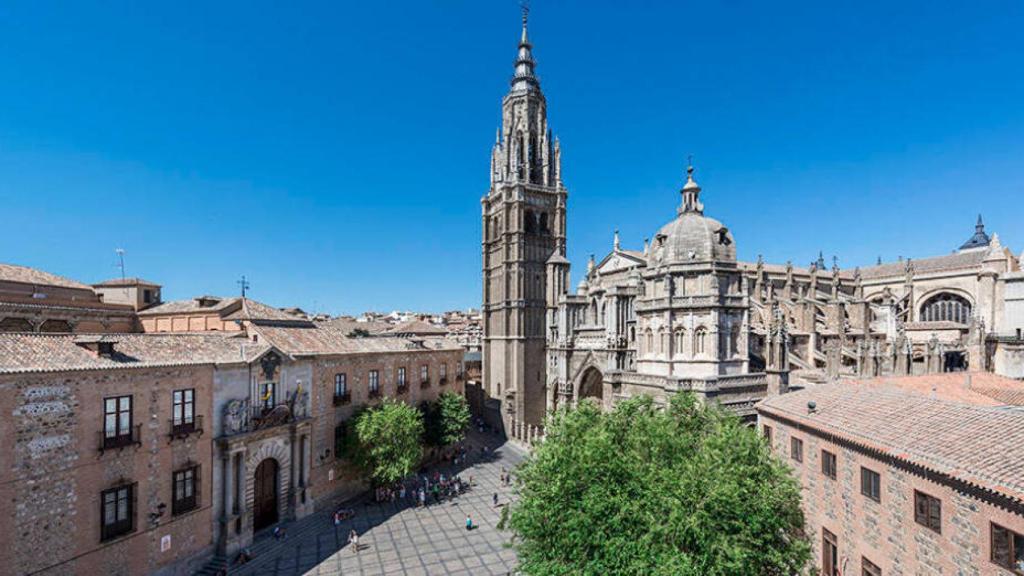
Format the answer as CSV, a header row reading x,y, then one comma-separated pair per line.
x,y
871,484
796,449
340,385
401,376
117,420
928,511
183,408
1007,549
186,489
117,511
828,464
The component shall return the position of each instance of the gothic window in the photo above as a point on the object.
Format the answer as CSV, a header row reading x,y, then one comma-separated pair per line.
x,y
530,222
680,340
734,341
699,340
946,307
544,223
662,342
650,341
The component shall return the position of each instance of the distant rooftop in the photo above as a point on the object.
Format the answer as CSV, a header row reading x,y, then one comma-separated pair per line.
x,y
26,275
113,282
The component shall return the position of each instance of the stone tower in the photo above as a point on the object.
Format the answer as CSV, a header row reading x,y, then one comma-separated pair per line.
x,y
523,227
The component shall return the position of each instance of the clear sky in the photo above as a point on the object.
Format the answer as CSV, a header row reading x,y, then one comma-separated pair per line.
x,y
335,153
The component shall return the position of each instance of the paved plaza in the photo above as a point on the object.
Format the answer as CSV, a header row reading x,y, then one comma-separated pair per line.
x,y
401,538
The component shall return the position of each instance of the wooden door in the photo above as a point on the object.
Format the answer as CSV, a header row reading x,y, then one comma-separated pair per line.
x,y
265,495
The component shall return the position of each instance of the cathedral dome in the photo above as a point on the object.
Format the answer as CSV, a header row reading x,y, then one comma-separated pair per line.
x,y
692,236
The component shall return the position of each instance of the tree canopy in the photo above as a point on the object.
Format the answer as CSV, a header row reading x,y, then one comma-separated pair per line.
x,y
684,490
387,442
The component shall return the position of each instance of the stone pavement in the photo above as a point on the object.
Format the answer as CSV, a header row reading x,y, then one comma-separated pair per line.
x,y
400,538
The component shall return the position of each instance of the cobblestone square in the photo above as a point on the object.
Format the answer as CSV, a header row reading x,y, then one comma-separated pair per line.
x,y
401,538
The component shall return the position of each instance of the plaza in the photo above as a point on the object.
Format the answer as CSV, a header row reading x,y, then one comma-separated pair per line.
x,y
400,538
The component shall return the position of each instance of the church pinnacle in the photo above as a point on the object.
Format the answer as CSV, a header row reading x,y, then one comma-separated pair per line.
x,y
524,77
691,193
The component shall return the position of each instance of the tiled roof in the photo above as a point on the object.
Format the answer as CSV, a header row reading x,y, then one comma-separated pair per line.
x,y
126,282
955,261
955,432
328,340
187,306
257,311
347,325
46,353
26,275
418,327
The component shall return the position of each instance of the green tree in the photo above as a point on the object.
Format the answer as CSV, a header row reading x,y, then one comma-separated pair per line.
x,y
446,419
387,442
686,490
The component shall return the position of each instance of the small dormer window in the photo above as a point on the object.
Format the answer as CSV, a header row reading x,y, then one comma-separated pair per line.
x,y
105,348
723,236
147,296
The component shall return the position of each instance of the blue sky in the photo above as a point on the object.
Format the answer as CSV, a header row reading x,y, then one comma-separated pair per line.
x,y
336,153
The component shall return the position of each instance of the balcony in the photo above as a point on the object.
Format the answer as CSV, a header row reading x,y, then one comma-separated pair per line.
x,y
342,399
442,380
133,436
374,394
425,383
184,429
403,387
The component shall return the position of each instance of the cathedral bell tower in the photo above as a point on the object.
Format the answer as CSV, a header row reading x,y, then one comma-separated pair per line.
x,y
523,226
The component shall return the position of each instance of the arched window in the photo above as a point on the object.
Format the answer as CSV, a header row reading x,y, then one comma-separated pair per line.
x,y
680,341
734,341
662,341
650,341
946,307
699,340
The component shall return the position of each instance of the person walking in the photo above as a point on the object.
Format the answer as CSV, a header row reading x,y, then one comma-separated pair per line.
x,y
495,499
469,523
353,540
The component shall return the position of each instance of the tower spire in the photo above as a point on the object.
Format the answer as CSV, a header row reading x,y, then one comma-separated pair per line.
x,y
524,77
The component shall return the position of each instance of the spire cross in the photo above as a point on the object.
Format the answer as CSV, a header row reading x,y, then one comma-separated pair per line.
x,y
244,284
524,5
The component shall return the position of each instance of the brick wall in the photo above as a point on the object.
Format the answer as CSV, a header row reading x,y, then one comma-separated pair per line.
x,y
330,476
52,472
885,532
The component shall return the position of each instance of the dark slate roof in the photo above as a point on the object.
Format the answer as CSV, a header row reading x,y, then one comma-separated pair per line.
x,y
979,239
963,431
59,353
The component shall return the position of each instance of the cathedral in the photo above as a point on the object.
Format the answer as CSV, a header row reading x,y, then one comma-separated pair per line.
x,y
683,313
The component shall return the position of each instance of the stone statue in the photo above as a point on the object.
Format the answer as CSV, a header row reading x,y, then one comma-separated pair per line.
x,y
236,416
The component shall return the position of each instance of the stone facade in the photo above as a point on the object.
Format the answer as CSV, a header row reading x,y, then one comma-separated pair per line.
x,y
684,314
52,472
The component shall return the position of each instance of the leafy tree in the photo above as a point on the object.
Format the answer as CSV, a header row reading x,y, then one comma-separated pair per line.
x,y
446,419
388,440
453,417
686,490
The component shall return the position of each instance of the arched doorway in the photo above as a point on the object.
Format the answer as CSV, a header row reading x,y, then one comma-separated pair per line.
x,y
592,384
265,494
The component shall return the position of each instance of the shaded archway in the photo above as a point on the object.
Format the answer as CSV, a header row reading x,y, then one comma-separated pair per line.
x,y
266,483
592,384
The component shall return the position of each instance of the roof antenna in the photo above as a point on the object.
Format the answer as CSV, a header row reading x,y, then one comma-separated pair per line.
x,y
120,264
244,284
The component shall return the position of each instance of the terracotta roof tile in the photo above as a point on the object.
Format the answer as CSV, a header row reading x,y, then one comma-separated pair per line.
x,y
26,275
958,432
56,353
327,340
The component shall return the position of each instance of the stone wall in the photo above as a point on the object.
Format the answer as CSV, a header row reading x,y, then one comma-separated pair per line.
x,y
885,532
52,472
